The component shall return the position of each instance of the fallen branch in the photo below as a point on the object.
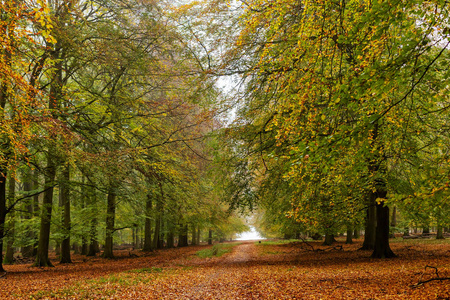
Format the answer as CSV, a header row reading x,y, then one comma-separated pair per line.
x,y
422,282
3,275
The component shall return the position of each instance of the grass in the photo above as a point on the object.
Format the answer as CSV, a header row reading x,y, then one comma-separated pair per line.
x,y
147,270
216,251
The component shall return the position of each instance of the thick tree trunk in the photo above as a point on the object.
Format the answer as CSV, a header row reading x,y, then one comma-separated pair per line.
x,y
148,224
440,233
356,232
370,226
349,235
382,248
329,239
170,236
426,230
65,197
42,259
183,236
110,220
406,231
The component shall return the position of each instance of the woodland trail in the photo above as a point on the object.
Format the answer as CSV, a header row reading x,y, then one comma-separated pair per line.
x,y
250,271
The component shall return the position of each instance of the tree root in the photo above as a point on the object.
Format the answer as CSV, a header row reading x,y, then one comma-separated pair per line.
x,y
338,247
422,282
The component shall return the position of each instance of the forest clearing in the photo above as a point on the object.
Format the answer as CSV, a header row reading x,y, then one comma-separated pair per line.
x,y
137,136
266,270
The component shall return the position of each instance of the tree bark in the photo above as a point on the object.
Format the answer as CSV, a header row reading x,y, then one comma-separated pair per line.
x,y
27,251
370,226
382,248
148,224
93,247
210,237
349,235
440,233
9,256
42,259
393,222
110,220
65,197
183,236
329,239
2,212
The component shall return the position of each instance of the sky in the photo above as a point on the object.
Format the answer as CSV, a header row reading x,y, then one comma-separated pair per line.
x,y
250,235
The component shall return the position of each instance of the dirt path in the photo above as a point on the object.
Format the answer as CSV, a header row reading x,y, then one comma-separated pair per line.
x,y
251,271
223,279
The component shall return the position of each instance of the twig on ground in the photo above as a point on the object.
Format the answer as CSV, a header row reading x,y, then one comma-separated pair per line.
x,y
421,282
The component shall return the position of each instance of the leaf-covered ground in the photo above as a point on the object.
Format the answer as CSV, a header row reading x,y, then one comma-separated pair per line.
x,y
250,271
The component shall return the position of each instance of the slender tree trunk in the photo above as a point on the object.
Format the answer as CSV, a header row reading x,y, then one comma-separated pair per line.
x,y
27,251
42,259
210,237
93,248
393,222
148,224
110,220
156,232
36,209
9,256
2,213
65,197
198,234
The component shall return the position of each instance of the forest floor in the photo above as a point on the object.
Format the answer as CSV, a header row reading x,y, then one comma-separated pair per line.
x,y
266,270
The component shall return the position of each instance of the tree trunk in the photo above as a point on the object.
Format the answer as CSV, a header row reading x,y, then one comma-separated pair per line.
x,y
183,236
406,231
27,251
2,213
370,226
9,256
382,248
65,197
440,233
393,222
170,236
42,259
329,239
349,235
356,232
110,220
210,237
148,224
426,230
198,235
36,208
93,247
